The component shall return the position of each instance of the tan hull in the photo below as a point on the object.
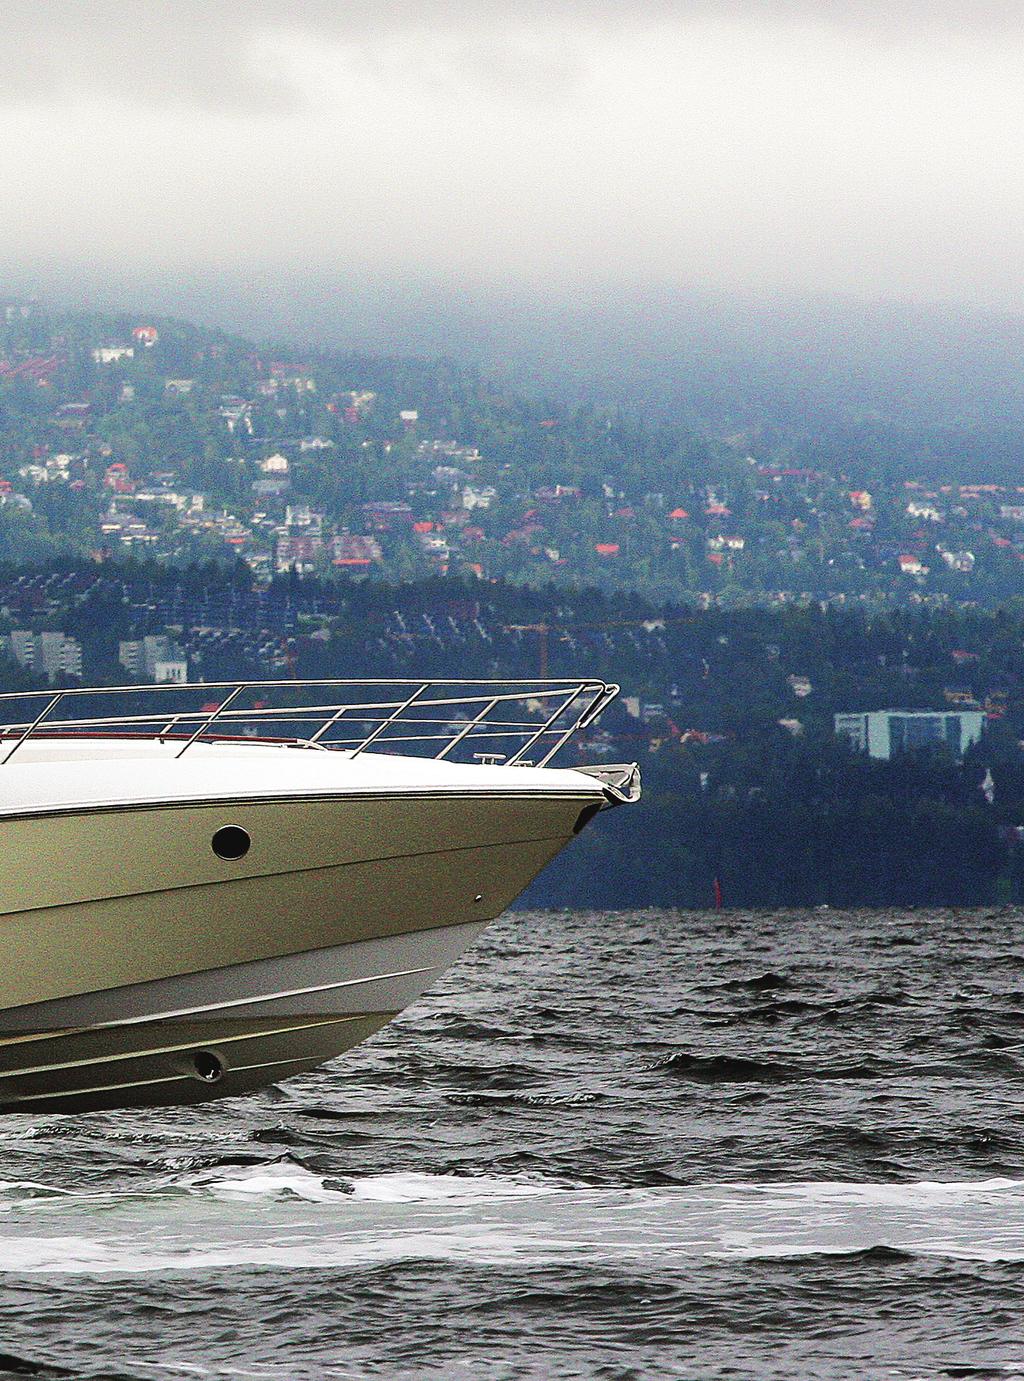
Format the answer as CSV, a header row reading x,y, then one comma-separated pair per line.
x,y
347,876
158,1063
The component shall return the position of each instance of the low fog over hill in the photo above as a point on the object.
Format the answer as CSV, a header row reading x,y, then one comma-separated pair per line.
x,y
718,362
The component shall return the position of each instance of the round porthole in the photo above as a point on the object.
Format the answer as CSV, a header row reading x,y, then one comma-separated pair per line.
x,y
231,842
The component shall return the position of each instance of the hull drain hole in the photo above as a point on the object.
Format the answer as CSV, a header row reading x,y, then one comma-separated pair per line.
x,y
208,1066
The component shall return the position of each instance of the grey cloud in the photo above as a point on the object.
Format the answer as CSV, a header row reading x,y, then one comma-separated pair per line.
x,y
866,147
191,53
196,53
145,54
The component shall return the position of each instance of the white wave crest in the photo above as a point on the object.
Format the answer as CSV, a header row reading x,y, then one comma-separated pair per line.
x,y
410,1188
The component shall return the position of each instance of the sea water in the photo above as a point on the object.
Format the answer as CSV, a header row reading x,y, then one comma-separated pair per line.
x,y
606,1145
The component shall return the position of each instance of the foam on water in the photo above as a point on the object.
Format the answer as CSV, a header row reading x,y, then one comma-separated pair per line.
x,y
453,1189
291,1218
272,1182
279,1180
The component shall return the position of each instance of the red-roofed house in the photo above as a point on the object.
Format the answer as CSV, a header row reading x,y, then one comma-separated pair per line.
x,y
911,565
354,551
117,478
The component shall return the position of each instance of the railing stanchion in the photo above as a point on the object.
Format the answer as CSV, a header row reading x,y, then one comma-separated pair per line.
x,y
467,729
32,727
165,731
601,698
329,724
546,726
386,724
201,729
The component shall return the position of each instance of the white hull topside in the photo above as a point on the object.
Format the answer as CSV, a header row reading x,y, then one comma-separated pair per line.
x,y
68,772
141,967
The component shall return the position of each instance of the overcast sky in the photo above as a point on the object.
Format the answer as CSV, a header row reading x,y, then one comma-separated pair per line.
x,y
807,145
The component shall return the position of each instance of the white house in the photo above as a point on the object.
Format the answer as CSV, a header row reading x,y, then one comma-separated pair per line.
x,y
478,496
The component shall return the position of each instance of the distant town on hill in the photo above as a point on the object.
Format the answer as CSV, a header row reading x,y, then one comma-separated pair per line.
x,y
141,437
177,503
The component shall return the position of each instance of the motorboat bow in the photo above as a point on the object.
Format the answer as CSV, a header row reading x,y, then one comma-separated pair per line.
x,y
207,888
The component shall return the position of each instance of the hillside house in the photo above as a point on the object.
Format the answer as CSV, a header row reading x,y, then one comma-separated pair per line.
x,y
117,478
73,416
918,509
297,552
478,496
355,551
554,493
911,565
301,515
962,561
291,376
383,515
353,404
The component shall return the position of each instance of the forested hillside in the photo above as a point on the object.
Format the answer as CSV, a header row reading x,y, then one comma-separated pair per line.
x,y
728,712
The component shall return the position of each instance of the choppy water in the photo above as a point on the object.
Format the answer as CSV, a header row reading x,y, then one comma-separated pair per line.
x,y
654,1145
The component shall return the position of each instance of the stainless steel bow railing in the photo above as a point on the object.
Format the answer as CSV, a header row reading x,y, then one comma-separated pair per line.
x,y
464,720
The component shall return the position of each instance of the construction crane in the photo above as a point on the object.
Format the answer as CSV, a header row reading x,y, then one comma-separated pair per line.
x,y
544,631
